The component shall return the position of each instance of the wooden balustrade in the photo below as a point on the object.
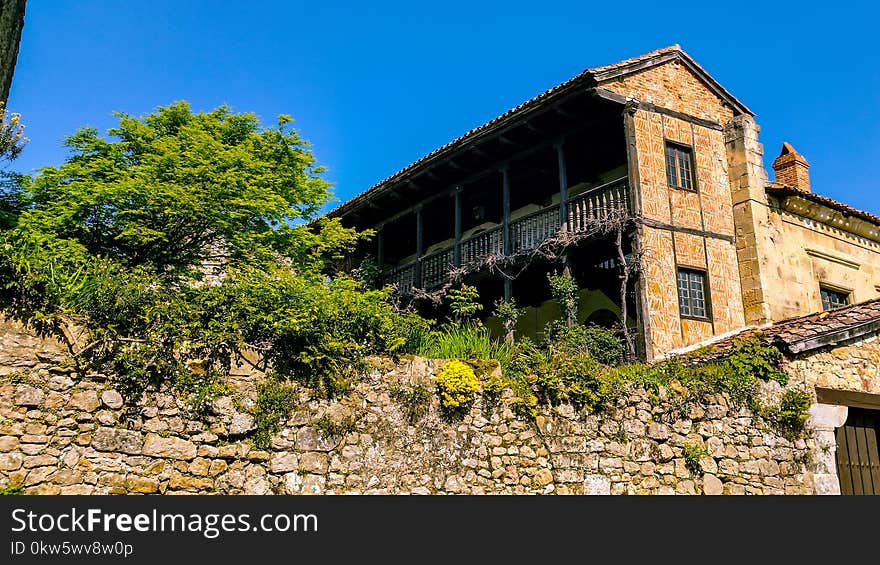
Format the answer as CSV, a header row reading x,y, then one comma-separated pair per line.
x,y
526,233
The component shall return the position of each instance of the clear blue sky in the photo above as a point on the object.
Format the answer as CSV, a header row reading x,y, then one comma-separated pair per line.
x,y
376,85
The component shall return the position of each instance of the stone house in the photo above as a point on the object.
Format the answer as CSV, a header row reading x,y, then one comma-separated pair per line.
x,y
719,248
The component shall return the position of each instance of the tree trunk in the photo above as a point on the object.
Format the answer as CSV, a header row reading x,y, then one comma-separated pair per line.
x,y
11,23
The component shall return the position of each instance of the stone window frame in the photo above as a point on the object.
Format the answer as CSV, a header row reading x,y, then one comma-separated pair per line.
x,y
692,154
707,293
832,289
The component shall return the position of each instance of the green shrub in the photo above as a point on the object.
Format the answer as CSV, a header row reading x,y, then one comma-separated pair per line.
x,y
464,303
465,341
274,402
790,416
602,344
508,313
564,290
693,454
11,489
414,397
751,357
457,385
339,427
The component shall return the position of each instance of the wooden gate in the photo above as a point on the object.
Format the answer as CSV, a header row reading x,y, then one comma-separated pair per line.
x,y
858,462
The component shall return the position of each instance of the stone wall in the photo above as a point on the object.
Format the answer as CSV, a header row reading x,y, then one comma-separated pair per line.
x,y
688,228
60,434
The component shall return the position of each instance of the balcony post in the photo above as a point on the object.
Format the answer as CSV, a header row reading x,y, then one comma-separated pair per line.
x,y
505,224
505,208
380,247
419,247
563,184
456,247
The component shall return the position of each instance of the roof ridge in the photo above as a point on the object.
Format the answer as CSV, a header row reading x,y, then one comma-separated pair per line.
x,y
587,74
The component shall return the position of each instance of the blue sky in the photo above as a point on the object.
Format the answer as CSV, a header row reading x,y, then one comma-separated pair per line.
x,y
376,85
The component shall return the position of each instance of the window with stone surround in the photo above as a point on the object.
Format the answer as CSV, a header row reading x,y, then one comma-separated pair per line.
x,y
680,166
832,298
693,294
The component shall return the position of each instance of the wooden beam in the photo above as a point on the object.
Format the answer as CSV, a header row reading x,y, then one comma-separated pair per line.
x,y
563,183
479,152
563,113
456,247
420,233
489,169
505,207
648,107
531,127
380,248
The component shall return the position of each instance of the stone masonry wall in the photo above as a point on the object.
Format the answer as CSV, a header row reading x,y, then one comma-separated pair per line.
x,y
60,434
689,213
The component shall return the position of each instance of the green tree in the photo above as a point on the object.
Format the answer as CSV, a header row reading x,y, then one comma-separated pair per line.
x,y
162,252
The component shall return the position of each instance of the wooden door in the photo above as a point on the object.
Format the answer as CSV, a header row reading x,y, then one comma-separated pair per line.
x,y
858,462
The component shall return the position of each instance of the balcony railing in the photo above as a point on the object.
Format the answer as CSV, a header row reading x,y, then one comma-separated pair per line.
x,y
479,246
526,233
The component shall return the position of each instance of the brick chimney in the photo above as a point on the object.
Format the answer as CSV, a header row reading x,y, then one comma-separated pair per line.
x,y
792,168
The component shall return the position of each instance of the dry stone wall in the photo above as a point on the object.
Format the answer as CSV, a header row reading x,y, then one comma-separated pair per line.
x,y
60,434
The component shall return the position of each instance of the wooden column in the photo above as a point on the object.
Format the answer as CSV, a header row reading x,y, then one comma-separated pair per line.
x,y
505,224
505,208
380,247
456,247
419,246
563,184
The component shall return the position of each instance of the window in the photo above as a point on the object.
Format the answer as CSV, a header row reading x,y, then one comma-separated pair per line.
x,y
832,299
692,294
680,166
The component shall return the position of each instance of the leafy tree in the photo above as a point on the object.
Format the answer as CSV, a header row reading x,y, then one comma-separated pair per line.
x,y
183,240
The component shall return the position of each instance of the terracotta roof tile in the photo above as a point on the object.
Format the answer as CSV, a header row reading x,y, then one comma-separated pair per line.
x,y
811,331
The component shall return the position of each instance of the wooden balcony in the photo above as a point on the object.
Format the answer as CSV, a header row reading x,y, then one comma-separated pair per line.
x,y
525,234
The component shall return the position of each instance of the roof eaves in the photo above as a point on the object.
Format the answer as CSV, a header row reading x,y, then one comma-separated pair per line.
x,y
591,76
819,199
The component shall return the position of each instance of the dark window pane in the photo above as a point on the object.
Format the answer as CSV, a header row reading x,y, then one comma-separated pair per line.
x,y
679,166
692,299
684,164
832,299
671,170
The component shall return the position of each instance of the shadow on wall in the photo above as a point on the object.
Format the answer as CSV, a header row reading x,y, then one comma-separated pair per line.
x,y
594,306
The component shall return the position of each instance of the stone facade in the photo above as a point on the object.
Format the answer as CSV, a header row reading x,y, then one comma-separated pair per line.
x,y
809,253
63,435
686,228
765,254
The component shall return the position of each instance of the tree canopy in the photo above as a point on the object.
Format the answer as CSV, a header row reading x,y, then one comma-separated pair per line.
x,y
166,249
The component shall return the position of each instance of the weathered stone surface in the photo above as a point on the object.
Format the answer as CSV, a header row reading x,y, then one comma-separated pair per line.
x,y
111,399
712,485
171,447
117,440
10,461
284,462
87,400
26,395
597,484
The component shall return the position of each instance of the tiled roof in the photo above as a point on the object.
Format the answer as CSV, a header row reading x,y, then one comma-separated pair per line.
x,y
588,76
784,190
804,333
